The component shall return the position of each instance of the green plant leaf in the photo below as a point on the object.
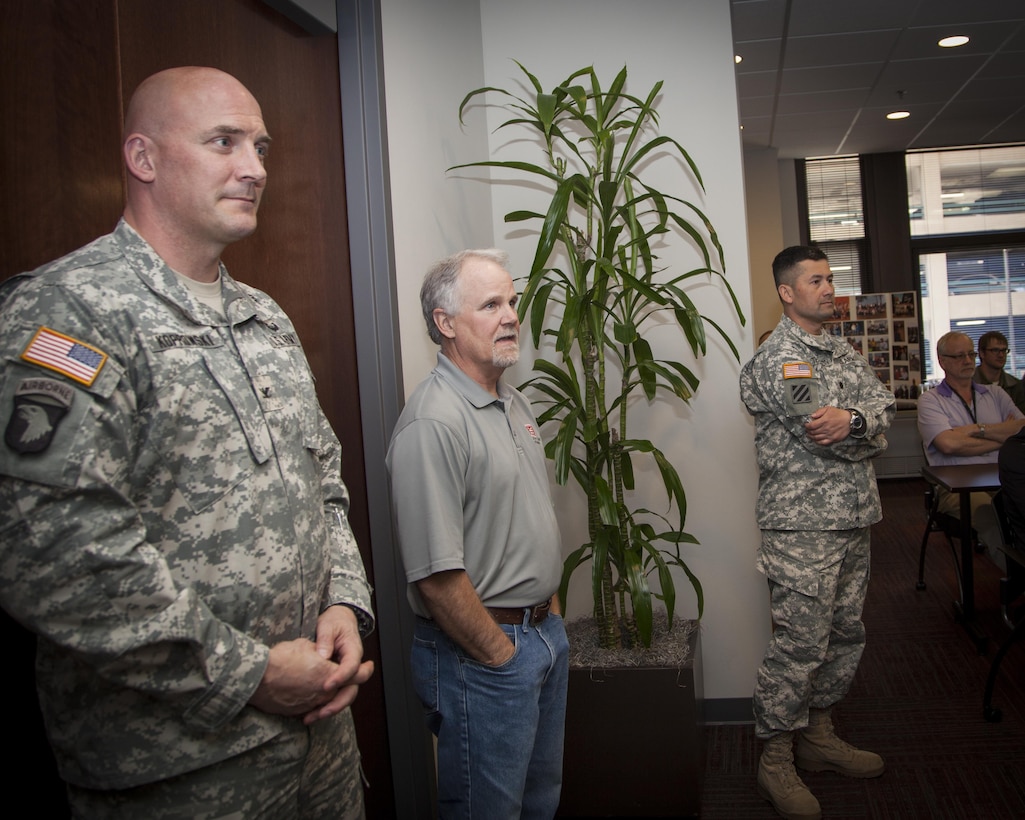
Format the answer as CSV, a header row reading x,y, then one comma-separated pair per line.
x,y
640,596
569,566
606,501
676,384
522,216
676,537
563,450
539,306
527,167
547,105
624,332
553,222
666,584
596,263
699,591
670,478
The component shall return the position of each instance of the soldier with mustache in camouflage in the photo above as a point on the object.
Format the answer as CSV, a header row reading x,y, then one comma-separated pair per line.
x,y
820,415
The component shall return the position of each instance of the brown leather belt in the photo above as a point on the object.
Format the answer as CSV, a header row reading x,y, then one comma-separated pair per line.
x,y
514,615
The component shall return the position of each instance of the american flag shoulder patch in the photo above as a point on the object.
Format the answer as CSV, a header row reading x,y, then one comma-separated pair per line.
x,y
65,355
796,370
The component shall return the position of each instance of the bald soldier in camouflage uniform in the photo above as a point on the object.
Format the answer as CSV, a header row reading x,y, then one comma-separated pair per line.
x,y
820,414
174,524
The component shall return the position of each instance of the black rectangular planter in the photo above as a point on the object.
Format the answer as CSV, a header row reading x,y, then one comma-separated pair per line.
x,y
634,741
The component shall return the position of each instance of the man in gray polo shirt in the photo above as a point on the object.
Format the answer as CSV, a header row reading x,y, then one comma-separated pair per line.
x,y
481,550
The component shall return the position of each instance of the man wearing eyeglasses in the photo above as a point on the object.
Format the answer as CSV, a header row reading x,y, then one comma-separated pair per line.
x,y
962,422
993,352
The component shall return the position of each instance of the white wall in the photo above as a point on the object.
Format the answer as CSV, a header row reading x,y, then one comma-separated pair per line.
x,y
433,57
764,234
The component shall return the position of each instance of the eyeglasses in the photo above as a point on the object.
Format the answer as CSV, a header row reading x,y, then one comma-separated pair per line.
x,y
970,355
1000,351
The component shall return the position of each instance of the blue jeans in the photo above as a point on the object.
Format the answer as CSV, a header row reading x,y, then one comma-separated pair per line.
x,y
499,728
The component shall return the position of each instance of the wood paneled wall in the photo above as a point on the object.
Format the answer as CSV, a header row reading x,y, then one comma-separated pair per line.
x,y
67,69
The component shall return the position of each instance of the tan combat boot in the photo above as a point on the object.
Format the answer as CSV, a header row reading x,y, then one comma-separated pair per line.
x,y
779,783
820,750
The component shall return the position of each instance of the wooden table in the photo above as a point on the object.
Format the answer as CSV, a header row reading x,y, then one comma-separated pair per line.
x,y
965,479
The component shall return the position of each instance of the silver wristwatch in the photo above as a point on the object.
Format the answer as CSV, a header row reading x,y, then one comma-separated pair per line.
x,y
859,427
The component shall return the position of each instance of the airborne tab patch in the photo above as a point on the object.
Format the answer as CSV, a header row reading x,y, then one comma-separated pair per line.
x,y
65,355
39,407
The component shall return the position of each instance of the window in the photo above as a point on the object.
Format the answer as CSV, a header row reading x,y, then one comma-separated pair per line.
x,y
967,190
973,285
845,265
974,291
836,219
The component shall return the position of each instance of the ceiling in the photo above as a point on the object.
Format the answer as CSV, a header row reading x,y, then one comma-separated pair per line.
x,y
819,76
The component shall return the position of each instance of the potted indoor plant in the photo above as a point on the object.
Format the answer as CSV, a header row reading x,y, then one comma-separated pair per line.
x,y
596,259
595,285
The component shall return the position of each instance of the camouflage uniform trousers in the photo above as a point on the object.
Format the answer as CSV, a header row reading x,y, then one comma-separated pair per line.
x,y
818,636
311,773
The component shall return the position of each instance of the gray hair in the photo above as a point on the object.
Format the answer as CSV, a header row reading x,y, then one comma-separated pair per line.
x,y
441,285
941,344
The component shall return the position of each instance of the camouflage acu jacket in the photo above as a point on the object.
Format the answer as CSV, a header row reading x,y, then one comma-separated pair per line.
x,y
802,485
170,506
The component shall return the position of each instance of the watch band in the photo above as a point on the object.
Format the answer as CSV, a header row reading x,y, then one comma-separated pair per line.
x,y
859,426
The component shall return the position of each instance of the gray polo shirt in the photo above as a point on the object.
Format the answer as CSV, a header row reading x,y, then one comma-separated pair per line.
x,y
469,490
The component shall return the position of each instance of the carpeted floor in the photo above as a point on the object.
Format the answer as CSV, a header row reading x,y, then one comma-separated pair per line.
x,y
917,699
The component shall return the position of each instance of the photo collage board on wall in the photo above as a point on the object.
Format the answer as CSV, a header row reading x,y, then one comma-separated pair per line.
x,y
884,328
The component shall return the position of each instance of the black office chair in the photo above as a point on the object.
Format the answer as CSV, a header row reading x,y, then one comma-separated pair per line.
x,y
1012,588
937,521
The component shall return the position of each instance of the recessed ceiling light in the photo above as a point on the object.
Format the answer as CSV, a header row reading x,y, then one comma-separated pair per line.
x,y
737,58
898,115
953,42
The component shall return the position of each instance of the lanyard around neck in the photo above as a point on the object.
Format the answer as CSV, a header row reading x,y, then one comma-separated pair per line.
x,y
971,410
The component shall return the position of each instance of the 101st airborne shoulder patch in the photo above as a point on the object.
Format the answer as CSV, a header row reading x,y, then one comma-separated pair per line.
x,y
800,390
39,407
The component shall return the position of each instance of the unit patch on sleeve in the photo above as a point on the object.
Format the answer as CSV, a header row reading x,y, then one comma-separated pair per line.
x,y
65,355
39,407
800,390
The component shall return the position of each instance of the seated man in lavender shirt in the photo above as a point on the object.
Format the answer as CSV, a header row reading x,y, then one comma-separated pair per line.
x,y
962,422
